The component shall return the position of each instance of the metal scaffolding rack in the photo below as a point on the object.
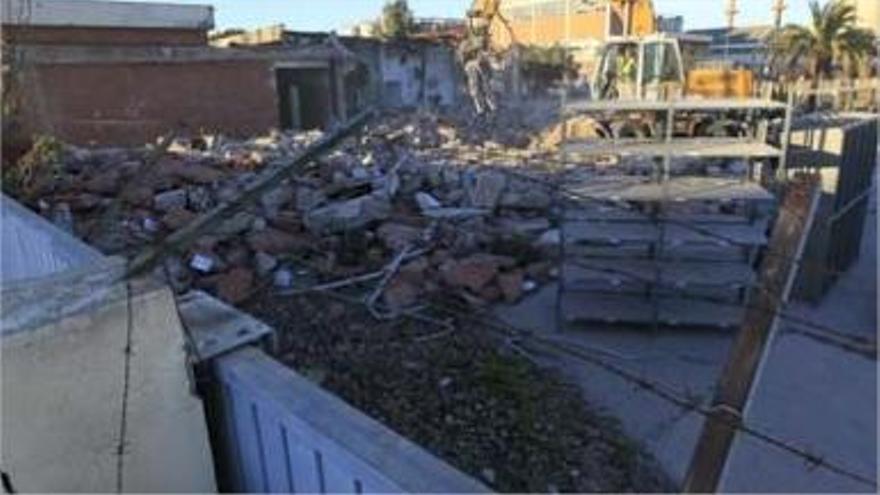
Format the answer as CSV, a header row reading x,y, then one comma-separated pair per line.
x,y
672,247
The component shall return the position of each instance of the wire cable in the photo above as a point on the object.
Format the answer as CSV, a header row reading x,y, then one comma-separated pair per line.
x,y
665,392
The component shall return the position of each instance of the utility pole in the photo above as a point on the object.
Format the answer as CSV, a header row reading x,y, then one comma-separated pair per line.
x,y
773,65
731,12
779,8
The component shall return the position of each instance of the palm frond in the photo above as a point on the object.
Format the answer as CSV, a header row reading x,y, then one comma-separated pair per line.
x,y
830,35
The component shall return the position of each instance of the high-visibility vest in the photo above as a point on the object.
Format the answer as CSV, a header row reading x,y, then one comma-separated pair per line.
x,y
627,68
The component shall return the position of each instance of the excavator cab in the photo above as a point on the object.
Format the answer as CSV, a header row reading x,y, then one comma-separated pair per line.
x,y
639,68
663,66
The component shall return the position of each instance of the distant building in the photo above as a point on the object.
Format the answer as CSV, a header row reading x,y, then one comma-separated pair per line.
x,y
412,72
868,14
745,46
673,24
97,72
581,25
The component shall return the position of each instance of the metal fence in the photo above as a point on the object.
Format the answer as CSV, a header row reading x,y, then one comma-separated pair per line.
x,y
279,432
843,150
833,95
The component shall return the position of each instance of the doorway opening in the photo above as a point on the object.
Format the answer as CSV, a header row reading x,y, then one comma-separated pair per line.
x,y
304,98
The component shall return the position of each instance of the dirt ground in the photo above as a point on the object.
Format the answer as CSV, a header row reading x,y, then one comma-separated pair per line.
x,y
464,395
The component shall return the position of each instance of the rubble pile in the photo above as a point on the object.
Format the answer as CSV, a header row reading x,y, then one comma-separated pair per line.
x,y
405,183
416,209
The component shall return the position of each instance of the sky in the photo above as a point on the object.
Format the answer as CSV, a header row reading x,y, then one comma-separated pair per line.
x,y
326,15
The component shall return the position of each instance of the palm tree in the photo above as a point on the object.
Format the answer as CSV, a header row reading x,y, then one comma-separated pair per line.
x,y
830,37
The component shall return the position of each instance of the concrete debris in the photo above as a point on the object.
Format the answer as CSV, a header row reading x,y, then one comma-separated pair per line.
x,y
455,213
529,199
273,241
427,202
549,239
177,218
283,279
409,180
397,236
265,263
485,189
347,215
308,198
274,200
239,223
150,225
170,200
199,199
198,174
205,263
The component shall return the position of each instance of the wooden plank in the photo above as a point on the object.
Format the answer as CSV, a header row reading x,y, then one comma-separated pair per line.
x,y
635,188
684,147
750,347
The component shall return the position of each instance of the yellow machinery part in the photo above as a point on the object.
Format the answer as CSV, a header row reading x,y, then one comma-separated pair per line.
x,y
643,17
720,83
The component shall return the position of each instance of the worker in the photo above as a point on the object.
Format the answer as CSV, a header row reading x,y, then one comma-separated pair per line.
x,y
626,73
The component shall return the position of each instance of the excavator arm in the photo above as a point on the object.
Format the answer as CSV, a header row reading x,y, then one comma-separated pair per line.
x,y
637,17
487,12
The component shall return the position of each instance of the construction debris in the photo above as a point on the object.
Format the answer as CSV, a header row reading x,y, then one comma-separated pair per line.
x,y
481,211
409,180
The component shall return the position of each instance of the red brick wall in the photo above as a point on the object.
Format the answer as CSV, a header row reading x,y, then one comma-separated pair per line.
x,y
102,36
130,104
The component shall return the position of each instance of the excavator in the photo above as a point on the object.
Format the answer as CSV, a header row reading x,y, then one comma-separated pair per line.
x,y
636,60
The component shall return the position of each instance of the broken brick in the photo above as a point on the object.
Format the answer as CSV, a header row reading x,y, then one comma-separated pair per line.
x,y
511,285
401,293
468,273
233,286
274,241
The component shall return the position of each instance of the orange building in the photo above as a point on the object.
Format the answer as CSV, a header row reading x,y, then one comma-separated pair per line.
x,y
582,25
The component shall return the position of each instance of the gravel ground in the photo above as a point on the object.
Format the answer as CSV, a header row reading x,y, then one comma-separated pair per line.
x,y
463,395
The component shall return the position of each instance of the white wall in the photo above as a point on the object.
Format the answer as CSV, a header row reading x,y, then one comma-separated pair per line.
x,y
66,376
401,68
